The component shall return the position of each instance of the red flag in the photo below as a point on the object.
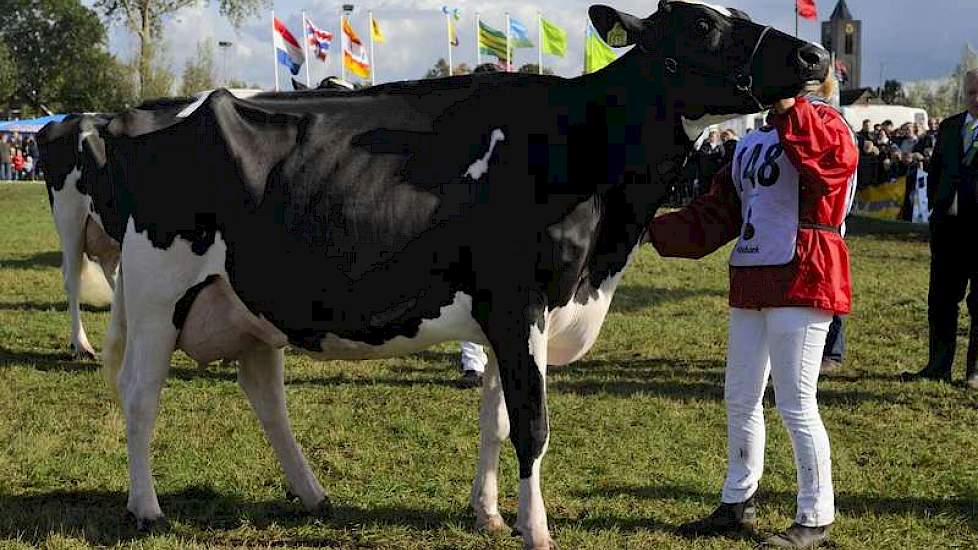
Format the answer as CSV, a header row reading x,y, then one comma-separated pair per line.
x,y
806,9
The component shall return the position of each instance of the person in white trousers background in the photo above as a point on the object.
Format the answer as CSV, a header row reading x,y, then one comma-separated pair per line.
x,y
474,361
784,197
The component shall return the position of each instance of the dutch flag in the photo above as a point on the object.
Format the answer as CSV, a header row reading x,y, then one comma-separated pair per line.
x,y
287,48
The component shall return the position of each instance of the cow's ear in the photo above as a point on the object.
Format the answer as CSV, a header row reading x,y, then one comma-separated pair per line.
x,y
617,29
90,141
257,140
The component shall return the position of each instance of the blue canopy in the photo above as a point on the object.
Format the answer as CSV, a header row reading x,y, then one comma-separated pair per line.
x,y
29,125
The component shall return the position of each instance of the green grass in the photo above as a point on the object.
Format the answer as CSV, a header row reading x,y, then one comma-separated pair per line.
x,y
637,442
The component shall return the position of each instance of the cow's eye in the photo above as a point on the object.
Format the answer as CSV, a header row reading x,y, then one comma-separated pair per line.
x,y
702,27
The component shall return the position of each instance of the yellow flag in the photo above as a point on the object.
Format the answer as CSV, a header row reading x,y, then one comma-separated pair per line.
x,y
375,31
597,54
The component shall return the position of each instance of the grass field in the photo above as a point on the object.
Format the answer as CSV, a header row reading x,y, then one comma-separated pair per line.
x,y
637,442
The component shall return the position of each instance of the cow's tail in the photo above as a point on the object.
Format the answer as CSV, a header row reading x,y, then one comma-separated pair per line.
x,y
114,347
95,290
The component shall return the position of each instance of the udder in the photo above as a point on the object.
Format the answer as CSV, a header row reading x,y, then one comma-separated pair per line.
x,y
573,329
218,325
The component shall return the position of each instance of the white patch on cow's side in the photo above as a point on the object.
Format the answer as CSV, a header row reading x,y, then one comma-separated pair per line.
x,y
573,328
694,128
189,109
481,166
719,9
454,322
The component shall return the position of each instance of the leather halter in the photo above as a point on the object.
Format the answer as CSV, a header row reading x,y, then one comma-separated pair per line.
x,y
742,78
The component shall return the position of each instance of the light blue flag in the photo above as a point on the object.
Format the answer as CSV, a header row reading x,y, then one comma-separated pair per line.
x,y
520,38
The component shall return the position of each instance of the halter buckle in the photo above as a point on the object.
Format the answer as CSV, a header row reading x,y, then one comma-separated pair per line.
x,y
744,82
671,65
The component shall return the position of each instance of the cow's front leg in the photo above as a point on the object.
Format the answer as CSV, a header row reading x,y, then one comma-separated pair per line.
x,y
522,355
262,377
493,430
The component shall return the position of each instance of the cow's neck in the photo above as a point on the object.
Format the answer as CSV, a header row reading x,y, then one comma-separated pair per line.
x,y
629,205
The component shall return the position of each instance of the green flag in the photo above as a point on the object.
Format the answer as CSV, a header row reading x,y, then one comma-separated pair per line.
x,y
554,39
597,54
492,41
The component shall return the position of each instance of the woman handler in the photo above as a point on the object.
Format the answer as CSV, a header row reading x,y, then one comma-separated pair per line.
x,y
784,196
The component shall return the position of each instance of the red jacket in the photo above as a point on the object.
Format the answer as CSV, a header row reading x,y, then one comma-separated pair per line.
x,y
819,144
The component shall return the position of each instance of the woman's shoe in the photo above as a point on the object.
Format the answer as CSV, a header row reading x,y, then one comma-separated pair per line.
x,y
727,518
799,536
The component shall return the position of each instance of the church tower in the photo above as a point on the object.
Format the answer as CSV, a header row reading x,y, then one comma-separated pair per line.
x,y
842,35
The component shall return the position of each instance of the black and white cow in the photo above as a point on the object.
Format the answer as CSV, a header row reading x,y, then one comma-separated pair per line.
x,y
85,213
499,208
72,153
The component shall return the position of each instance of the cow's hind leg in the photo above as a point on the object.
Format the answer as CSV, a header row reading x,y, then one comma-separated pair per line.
x,y
69,219
262,377
114,346
149,346
493,431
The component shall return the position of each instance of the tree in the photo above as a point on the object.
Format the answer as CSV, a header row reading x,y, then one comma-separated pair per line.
x,y
158,79
146,17
59,55
892,92
440,69
969,61
8,74
198,73
533,68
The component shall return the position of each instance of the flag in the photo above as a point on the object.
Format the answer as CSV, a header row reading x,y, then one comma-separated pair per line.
x,y
518,32
806,9
354,54
492,42
375,33
456,14
319,40
287,47
597,54
553,40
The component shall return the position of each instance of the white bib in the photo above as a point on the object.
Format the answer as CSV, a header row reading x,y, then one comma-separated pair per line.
x,y
767,183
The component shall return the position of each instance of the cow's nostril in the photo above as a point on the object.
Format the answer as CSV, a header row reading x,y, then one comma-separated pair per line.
x,y
810,57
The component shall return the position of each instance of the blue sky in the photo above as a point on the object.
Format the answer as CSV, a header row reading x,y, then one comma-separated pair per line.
x,y
907,39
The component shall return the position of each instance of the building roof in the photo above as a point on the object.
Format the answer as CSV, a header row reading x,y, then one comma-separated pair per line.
x,y
841,11
859,96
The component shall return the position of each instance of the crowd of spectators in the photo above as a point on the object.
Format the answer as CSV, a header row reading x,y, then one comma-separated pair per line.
x,y
19,158
886,153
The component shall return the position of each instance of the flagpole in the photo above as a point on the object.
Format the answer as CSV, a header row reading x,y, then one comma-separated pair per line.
x,y
342,48
509,60
373,59
540,43
274,53
478,42
305,49
448,29
796,18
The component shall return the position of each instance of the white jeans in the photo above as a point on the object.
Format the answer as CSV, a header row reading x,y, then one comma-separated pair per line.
x,y
473,357
785,343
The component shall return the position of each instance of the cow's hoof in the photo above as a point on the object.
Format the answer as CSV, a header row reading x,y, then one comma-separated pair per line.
x,y
491,524
149,525
323,510
547,545
83,354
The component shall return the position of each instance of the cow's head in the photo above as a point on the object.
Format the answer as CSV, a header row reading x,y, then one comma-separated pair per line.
x,y
713,60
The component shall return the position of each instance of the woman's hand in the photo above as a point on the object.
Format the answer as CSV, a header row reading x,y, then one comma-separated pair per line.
x,y
781,106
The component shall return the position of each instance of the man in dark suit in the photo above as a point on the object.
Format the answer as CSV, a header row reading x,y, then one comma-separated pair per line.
x,y
952,188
